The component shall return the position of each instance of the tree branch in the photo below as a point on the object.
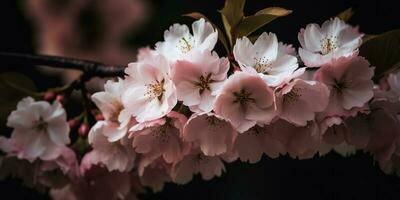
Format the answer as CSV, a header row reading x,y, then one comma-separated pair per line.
x,y
89,68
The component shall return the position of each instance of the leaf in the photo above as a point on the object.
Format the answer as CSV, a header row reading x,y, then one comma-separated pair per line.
x,y
346,15
221,35
382,51
367,37
252,23
14,87
232,14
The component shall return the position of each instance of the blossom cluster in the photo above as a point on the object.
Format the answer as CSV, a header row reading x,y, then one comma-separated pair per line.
x,y
183,110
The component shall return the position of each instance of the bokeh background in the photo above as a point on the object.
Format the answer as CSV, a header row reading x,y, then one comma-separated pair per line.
x,y
111,31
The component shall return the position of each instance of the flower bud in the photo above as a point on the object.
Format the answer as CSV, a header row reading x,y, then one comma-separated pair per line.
x,y
49,96
83,129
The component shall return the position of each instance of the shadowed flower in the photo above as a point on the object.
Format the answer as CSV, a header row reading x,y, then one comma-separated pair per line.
x,y
40,129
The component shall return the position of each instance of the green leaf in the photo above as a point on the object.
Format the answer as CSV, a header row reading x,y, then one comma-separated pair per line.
x,y
382,51
252,23
232,14
221,35
346,15
14,87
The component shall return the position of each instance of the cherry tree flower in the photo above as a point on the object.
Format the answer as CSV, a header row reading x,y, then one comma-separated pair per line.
x,y
160,137
199,78
118,155
149,92
154,174
299,142
298,101
394,86
334,39
252,144
179,41
196,162
274,62
245,101
214,134
40,129
110,104
349,81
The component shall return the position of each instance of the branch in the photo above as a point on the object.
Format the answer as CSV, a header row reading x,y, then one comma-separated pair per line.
x,y
89,68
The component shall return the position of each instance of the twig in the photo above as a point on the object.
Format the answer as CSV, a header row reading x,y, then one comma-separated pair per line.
x,y
89,68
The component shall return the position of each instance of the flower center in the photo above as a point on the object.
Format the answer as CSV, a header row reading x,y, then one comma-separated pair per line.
x,y
203,83
201,159
340,85
155,90
186,44
329,44
262,65
161,133
41,125
291,96
243,97
118,107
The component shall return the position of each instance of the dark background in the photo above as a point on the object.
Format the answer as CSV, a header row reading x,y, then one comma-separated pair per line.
x,y
330,177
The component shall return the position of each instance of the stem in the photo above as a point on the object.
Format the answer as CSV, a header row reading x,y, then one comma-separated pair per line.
x,y
89,68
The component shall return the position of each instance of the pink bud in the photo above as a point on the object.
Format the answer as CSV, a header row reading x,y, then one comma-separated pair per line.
x,y
99,117
49,96
73,123
61,98
83,129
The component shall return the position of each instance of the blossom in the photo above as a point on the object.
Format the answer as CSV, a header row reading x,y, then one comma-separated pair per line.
x,y
245,101
349,81
334,39
214,134
149,92
118,155
40,130
299,142
274,62
298,101
253,143
154,174
199,78
179,41
394,86
196,162
160,137
110,104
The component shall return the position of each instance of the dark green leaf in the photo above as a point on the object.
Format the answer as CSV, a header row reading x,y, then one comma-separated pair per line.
x,y
346,15
382,51
14,87
252,23
221,35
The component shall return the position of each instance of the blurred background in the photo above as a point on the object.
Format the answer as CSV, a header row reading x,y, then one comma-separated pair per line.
x,y
111,31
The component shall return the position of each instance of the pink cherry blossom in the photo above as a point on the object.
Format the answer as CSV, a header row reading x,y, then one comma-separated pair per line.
x,y
196,162
245,101
214,134
253,143
97,183
349,81
179,41
40,129
149,93
298,101
274,62
160,137
110,104
154,174
199,78
299,142
334,39
118,155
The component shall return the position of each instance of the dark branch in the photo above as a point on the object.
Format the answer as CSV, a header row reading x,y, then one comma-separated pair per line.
x,y
89,68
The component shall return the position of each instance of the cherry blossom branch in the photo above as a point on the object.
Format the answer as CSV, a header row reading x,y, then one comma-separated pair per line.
x,y
90,69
